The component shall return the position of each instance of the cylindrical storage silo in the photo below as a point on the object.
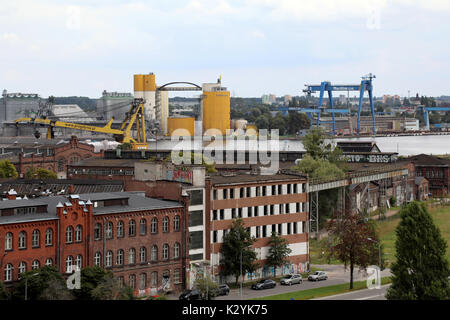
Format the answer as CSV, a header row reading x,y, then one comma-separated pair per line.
x,y
216,112
181,126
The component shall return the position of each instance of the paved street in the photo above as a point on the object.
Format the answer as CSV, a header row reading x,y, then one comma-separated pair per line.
x,y
336,275
367,294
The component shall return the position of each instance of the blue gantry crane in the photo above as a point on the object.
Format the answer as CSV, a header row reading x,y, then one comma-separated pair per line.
x,y
326,86
425,113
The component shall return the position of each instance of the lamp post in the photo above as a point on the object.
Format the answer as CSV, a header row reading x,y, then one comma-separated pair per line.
x,y
26,285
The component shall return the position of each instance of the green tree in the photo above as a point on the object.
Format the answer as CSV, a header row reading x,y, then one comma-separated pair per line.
x,y
349,241
7,169
208,288
236,242
40,283
297,121
125,146
262,122
279,122
109,289
40,173
91,277
4,293
278,251
421,269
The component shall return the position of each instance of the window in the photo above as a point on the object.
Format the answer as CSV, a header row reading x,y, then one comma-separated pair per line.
x,y
154,253
49,262
120,279
225,193
109,230
264,231
222,214
132,281
176,276
258,232
154,225
215,236
166,224
120,229
132,256
97,231
240,212
281,208
195,218
78,233
132,228
289,188
272,209
8,272
258,191
48,237
248,192
165,251
288,228
176,223
142,281
196,197
35,238
142,227
79,262
264,191
109,257
231,193
22,267
266,210
35,264
214,194
287,208
274,190
279,229
249,212
143,254
69,263
233,213
69,234
154,279
280,190
176,250
22,240
8,241
241,192
295,228
295,188
97,259
214,214
195,240
256,211
119,258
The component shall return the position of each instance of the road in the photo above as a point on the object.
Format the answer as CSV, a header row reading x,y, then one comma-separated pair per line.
x,y
366,294
336,275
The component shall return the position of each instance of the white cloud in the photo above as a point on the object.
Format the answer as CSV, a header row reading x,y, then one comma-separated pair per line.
x,y
257,34
10,37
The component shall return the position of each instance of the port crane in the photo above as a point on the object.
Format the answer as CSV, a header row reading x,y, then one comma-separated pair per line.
x,y
135,116
426,116
326,86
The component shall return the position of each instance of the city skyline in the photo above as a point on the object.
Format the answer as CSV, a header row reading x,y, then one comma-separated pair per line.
x,y
258,47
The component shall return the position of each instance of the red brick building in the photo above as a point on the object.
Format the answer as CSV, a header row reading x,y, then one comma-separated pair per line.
x,y
55,157
435,169
142,240
266,203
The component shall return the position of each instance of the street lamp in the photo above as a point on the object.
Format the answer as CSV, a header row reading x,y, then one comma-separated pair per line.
x,y
379,251
26,284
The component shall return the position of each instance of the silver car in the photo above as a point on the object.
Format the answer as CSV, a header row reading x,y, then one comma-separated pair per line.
x,y
317,276
291,279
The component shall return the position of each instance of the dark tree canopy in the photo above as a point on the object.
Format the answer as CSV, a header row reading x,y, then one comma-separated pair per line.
x,y
421,269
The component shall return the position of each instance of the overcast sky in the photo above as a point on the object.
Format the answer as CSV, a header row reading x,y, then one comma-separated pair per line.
x,y
258,46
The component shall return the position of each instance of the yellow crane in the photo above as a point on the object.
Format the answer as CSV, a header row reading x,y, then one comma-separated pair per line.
x,y
122,135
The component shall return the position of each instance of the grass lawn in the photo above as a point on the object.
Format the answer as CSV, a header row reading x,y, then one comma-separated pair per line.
x,y
441,217
322,292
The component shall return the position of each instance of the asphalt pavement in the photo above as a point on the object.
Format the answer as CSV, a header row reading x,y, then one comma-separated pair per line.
x,y
365,294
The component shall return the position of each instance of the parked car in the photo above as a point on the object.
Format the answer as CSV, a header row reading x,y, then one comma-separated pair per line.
x,y
318,275
264,284
191,295
291,279
222,290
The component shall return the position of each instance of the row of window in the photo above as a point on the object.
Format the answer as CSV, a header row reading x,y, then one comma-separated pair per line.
x,y
9,268
120,231
35,239
431,173
248,212
119,259
143,283
266,231
246,192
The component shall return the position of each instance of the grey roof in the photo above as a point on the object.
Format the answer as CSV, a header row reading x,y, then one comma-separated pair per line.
x,y
136,202
7,204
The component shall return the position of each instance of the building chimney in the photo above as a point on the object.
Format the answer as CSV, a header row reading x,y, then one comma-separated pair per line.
x,y
11,195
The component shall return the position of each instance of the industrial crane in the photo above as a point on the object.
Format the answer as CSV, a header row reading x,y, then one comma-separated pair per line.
x,y
122,135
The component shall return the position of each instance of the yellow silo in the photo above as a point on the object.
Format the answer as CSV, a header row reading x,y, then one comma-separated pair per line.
x,y
145,88
185,123
216,111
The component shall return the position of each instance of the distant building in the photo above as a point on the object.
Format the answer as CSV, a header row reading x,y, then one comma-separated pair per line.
x,y
114,104
269,99
287,99
70,113
18,105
